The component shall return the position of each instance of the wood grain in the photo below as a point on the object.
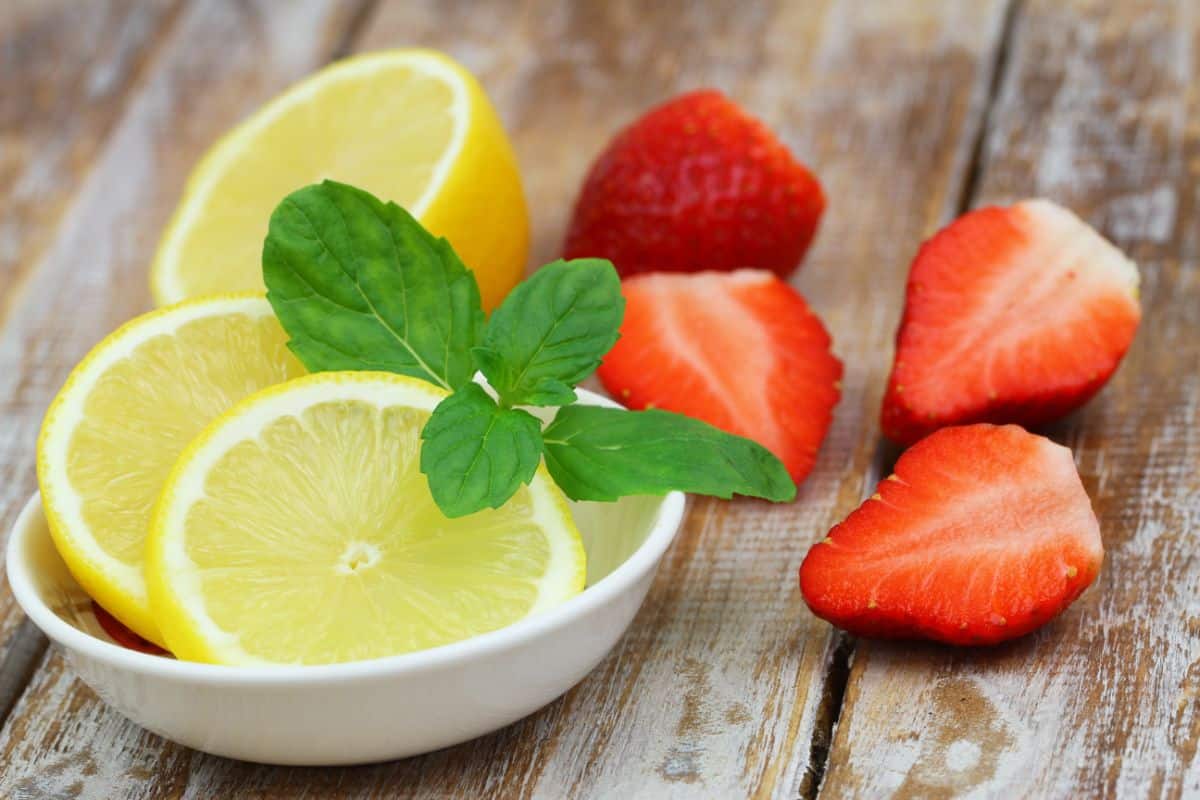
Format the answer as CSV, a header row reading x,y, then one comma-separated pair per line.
x,y
719,687
1100,111
220,57
67,69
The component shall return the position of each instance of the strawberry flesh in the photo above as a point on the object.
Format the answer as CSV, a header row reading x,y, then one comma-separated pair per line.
x,y
122,635
1016,314
982,534
740,350
696,184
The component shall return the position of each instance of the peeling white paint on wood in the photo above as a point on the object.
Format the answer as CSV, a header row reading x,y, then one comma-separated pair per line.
x,y
1098,112
717,690
93,274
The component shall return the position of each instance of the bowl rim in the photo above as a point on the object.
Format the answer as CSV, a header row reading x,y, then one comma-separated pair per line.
x,y
667,521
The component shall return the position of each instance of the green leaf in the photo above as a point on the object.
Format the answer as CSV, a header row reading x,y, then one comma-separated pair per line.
x,y
551,332
476,454
597,453
359,284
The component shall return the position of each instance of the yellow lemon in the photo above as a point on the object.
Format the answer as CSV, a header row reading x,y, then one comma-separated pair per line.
x,y
299,529
410,126
125,413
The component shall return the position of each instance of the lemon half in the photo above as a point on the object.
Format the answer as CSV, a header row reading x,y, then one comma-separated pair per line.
x,y
298,529
410,126
112,434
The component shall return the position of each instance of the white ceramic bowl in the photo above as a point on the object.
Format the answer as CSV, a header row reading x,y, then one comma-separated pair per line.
x,y
367,710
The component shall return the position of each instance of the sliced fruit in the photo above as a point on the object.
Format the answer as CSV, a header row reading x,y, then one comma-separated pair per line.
x,y
122,635
114,430
1016,314
740,350
410,126
695,184
982,534
298,529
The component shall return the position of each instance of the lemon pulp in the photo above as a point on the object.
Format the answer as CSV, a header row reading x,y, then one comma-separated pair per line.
x,y
299,529
410,126
112,434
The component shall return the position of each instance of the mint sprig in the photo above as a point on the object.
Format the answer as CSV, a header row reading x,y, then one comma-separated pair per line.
x,y
477,454
551,332
359,284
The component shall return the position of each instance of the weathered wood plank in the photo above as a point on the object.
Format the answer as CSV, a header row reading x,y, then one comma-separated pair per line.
x,y
717,689
1099,111
66,71
67,68
221,57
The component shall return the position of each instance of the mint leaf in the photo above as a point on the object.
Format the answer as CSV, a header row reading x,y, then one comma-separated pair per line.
x,y
359,284
476,454
551,332
597,453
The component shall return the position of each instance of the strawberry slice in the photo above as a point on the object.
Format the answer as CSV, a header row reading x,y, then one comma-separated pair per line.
x,y
983,534
122,635
696,184
740,350
1016,314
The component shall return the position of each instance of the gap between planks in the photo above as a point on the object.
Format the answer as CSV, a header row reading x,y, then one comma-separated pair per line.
x,y
842,646
26,650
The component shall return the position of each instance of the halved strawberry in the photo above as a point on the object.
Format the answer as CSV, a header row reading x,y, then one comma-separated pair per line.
x,y
740,350
982,534
1016,314
696,184
122,635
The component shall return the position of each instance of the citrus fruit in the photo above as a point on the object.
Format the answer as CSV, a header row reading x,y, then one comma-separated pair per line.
x,y
410,126
298,529
125,413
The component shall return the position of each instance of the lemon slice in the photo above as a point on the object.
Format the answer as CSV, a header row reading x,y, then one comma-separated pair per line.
x,y
125,413
298,529
410,126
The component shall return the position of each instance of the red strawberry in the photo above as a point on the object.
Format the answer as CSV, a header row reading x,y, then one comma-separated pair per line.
x,y
694,184
740,350
983,534
1015,314
122,635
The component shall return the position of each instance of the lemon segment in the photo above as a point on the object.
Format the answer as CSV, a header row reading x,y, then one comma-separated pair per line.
x,y
298,529
113,432
410,126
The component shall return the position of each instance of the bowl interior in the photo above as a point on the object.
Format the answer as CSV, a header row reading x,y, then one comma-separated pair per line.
x,y
611,533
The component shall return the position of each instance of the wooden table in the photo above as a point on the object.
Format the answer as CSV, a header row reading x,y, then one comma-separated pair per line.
x,y
725,687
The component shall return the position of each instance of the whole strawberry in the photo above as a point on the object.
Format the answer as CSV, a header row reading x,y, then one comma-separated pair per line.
x,y
696,184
